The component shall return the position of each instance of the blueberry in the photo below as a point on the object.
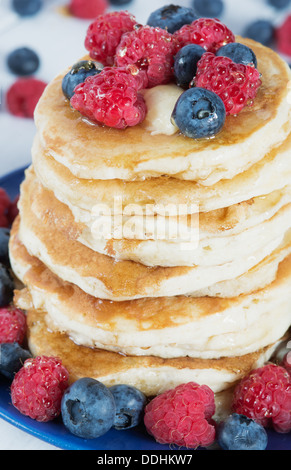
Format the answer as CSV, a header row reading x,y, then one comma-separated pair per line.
x,y
120,3
23,61
279,4
171,17
6,287
4,242
27,7
199,113
185,65
261,31
130,403
12,357
88,408
208,8
238,432
239,53
78,74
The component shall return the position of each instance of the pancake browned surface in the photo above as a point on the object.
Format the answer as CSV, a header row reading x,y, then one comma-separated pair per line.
x,y
152,375
213,238
271,174
165,327
101,276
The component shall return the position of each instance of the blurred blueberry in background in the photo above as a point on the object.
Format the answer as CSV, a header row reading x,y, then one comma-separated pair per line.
x,y
280,4
23,61
27,7
262,31
208,8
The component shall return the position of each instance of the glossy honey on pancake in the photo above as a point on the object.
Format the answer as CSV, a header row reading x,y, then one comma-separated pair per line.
x,y
165,327
91,151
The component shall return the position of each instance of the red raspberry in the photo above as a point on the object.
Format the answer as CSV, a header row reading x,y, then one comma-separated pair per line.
x,y
4,198
104,35
22,97
235,84
5,205
181,416
150,49
112,97
12,325
88,9
38,387
265,396
209,33
283,36
13,211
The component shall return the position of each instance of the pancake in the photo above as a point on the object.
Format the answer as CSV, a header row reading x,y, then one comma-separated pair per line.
x,y
92,151
163,327
103,277
271,174
149,374
202,247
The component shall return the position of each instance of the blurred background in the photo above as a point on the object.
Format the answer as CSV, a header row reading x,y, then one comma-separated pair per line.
x,y
54,32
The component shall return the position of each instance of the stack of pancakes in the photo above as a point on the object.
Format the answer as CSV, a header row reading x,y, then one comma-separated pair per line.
x,y
147,310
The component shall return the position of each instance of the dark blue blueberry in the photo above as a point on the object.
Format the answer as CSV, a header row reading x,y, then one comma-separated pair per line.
x,y
208,8
261,31
27,7
199,113
12,357
88,408
130,403
23,61
279,4
78,74
239,53
171,17
120,3
6,287
4,242
241,433
185,65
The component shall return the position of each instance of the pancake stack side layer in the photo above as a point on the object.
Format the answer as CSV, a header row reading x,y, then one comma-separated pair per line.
x,y
141,309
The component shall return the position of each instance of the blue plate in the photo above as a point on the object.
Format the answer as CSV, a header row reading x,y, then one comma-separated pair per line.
x,y
57,435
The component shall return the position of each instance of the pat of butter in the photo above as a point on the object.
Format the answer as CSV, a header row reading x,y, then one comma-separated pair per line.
x,y
160,101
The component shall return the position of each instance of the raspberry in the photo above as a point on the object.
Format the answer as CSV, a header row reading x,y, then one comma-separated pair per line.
x,y
235,84
283,36
150,49
5,205
38,387
88,9
13,211
104,35
22,97
12,325
112,97
211,34
181,416
4,199
265,396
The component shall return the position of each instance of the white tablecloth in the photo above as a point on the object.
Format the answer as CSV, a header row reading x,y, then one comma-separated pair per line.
x,y
59,41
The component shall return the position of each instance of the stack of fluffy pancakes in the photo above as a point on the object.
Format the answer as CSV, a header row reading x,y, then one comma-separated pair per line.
x,y
143,310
